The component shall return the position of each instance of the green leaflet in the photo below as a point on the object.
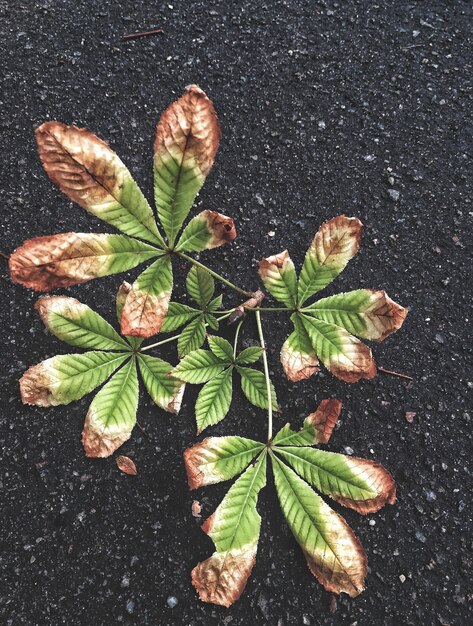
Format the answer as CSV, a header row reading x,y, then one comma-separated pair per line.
x,y
215,304
165,390
306,436
177,316
112,413
199,366
192,337
279,277
236,522
217,459
211,321
214,400
249,355
221,348
122,294
332,551
68,377
253,384
200,285
196,236
77,324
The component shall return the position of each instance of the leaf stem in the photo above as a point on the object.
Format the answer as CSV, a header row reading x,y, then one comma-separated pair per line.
x,y
247,294
235,341
381,369
266,375
160,343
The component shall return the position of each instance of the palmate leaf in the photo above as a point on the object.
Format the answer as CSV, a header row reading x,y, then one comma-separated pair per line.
x,y
53,261
336,242
298,357
334,554
214,400
112,414
165,390
218,458
342,354
234,528
279,277
147,303
91,174
191,337
77,324
365,313
205,231
200,285
253,384
68,377
187,138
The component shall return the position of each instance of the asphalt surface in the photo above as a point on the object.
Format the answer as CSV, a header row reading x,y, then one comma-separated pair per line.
x,y
326,107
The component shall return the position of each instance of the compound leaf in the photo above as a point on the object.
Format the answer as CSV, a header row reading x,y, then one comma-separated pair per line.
x,y
77,324
191,337
187,138
365,313
249,355
342,354
67,377
298,357
147,303
53,261
207,230
198,367
336,242
214,400
90,173
279,277
317,428
217,459
221,348
234,528
253,384
112,413
200,285
334,554
165,390
177,316
358,484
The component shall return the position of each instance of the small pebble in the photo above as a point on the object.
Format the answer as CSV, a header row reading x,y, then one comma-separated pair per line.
x,y
394,194
402,578
171,601
321,124
130,607
348,450
420,537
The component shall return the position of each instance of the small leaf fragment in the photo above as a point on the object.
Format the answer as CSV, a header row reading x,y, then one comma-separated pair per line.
x,y
334,554
342,354
214,400
126,465
77,324
207,230
336,242
147,303
200,285
187,138
53,261
217,459
67,377
279,277
112,413
91,174
364,313
234,528
298,357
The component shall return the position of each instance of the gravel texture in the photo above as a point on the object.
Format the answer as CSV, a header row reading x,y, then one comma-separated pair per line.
x,y
326,107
